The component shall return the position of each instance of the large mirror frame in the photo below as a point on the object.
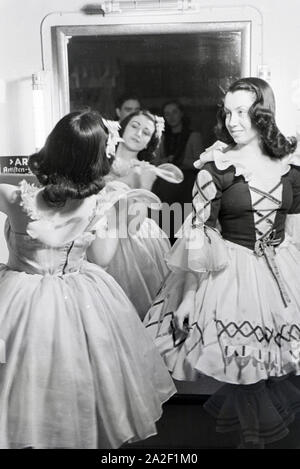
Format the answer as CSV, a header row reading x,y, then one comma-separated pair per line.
x,y
57,28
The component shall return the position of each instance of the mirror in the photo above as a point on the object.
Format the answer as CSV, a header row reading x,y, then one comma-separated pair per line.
x,y
191,62
193,68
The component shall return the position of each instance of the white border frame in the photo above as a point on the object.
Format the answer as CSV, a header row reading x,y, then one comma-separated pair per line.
x,y
56,27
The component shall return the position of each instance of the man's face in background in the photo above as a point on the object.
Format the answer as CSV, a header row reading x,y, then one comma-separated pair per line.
x,y
128,106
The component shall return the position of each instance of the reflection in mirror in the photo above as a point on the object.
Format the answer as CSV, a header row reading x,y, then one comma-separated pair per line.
x,y
195,68
192,62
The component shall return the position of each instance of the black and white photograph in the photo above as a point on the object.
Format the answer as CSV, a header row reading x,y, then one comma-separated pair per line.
x,y
149,228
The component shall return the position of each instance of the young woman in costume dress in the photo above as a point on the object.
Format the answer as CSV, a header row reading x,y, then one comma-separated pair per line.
x,y
139,265
230,309
80,371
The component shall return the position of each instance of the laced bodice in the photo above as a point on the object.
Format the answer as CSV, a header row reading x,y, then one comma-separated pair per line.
x,y
248,207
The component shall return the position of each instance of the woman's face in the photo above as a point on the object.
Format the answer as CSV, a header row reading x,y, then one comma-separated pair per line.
x,y
237,119
172,114
138,133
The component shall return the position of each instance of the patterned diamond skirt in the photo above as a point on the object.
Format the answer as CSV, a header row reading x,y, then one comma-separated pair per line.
x,y
241,332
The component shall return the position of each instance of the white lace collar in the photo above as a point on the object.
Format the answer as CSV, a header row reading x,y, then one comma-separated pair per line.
x,y
29,193
55,227
223,161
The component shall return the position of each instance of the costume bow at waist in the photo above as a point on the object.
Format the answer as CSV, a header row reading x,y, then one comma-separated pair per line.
x,y
265,247
265,242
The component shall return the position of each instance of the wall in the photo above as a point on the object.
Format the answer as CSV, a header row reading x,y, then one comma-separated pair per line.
x,y
20,55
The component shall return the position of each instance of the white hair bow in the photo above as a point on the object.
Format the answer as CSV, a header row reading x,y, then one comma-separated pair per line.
x,y
113,137
160,125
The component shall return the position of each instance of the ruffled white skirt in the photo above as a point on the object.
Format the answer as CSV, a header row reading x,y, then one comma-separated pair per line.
x,y
244,330
80,370
241,331
139,264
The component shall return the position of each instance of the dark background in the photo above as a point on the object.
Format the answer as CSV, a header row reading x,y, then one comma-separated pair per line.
x,y
193,68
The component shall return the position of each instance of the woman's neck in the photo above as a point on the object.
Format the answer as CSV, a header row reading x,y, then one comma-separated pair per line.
x,y
125,154
252,151
253,157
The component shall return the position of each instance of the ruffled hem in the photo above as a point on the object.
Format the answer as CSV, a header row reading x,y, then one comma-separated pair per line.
x,y
199,249
65,443
75,391
217,153
139,264
240,331
261,412
198,353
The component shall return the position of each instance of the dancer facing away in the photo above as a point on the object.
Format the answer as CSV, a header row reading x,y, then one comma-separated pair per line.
x,y
231,307
80,370
139,265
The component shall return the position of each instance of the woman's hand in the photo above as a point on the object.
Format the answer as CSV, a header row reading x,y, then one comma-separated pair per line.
x,y
183,314
146,173
147,178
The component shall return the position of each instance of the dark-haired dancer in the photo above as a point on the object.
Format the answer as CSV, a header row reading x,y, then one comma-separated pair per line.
x,y
139,263
231,308
80,370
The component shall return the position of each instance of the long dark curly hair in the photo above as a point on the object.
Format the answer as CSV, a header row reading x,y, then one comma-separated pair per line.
x,y
148,153
262,115
73,161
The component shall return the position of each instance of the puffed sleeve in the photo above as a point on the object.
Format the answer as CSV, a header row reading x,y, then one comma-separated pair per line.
x,y
200,247
292,226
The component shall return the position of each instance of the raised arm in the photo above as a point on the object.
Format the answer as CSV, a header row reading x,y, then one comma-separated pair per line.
x,y
103,248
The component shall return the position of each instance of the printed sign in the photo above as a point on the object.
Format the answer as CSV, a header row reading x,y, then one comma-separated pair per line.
x,y
14,165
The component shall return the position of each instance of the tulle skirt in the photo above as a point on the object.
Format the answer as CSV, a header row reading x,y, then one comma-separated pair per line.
x,y
139,265
241,332
260,412
79,370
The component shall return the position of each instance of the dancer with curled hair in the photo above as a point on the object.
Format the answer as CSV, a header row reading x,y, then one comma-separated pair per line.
x,y
230,309
80,370
139,265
